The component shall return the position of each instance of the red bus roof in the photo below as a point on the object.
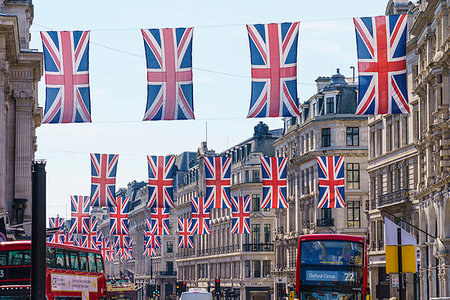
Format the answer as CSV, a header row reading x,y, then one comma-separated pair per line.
x,y
26,244
340,237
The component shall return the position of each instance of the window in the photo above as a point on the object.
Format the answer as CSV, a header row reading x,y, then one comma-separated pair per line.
x,y
353,213
314,113
352,136
326,213
83,261
397,133
256,268
380,142
267,233
326,137
99,260
352,176
247,176
51,261
256,204
372,144
330,105
91,260
60,264
247,268
405,125
256,229
169,246
255,176
74,260
169,266
389,137
266,268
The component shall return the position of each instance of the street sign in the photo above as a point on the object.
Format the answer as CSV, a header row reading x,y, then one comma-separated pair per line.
x,y
291,295
394,280
152,281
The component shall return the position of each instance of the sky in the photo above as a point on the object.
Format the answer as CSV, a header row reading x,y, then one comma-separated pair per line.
x,y
221,76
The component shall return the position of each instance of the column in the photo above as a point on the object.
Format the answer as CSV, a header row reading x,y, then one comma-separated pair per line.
x,y
298,220
3,118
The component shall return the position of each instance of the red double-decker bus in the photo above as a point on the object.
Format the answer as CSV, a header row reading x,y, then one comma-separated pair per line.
x,y
73,273
331,267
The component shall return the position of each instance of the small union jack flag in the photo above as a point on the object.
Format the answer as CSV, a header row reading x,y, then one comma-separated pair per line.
x,y
68,238
273,51
169,74
98,240
57,238
331,181
218,183
240,214
185,237
160,181
119,217
159,220
89,239
105,248
79,213
274,182
56,222
103,179
381,43
76,241
123,246
200,216
150,252
151,239
66,63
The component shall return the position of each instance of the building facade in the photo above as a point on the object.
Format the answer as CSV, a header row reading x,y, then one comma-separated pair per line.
x,y
242,262
327,127
409,159
20,115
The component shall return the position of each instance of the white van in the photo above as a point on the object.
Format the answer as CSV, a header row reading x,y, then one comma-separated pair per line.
x,y
196,294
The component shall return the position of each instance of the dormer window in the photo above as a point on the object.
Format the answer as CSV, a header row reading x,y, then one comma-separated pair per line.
x,y
330,105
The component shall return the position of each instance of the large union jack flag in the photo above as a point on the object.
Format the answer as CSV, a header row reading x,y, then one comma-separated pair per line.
x,y
331,181
103,179
217,171
119,217
79,213
159,221
149,252
56,222
240,214
123,246
104,246
200,216
160,181
169,74
274,182
151,239
381,43
273,51
89,239
185,237
66,62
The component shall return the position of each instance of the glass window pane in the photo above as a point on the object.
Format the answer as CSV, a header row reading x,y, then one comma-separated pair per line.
x,y
60,264
74,260
51,261
66,254
99,263
83,261
3,258
27,257
91,260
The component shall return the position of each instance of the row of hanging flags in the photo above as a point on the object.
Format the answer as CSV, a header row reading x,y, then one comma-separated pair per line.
x,y
381,51
160,200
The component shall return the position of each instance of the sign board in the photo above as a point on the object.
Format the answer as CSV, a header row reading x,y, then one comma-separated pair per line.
x,y
408,259
152,281
69,283
394,280
291,295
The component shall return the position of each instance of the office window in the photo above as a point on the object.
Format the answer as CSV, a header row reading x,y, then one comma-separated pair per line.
x,y
330,105
267,233
352,136
169,266
247,176
314,110
169,246
255,176
352,176
325,213
372,144
247,268
256,268
256,230
266,268
380,142
389,137
256,203
326,137
397,134
353,214
405,126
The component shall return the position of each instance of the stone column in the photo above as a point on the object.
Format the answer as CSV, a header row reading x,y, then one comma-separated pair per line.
x,y
3,117
298,221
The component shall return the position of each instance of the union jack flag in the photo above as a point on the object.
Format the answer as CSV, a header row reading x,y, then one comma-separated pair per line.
x,y
200,216
103,179
150,252
240,215
160,181
217,170
98,240
105,248
68,238
159,220
185,237
79,213
76,241
331,181
273,51
89,239
381,43
274,182
123,246
57,238
66,63
151,239
169,74
56,222
118,216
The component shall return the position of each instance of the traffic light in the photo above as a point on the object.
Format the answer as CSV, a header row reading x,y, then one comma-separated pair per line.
x,y
158,292
217,286
183,287
178,288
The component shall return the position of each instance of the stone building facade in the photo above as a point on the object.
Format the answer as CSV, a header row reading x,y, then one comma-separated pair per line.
x,y
327,127
20,115
409,158
242,262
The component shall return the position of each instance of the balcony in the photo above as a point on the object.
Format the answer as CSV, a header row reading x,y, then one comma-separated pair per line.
x,y
393,198
257,247
325,222
167,274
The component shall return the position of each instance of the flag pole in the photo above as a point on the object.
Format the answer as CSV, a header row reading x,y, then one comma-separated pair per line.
x,y
400,275
406,222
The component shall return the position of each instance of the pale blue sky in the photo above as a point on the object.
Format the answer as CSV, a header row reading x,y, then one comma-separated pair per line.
x,y
220,44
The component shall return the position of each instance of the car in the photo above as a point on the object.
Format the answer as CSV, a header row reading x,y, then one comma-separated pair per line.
x,y
196,294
